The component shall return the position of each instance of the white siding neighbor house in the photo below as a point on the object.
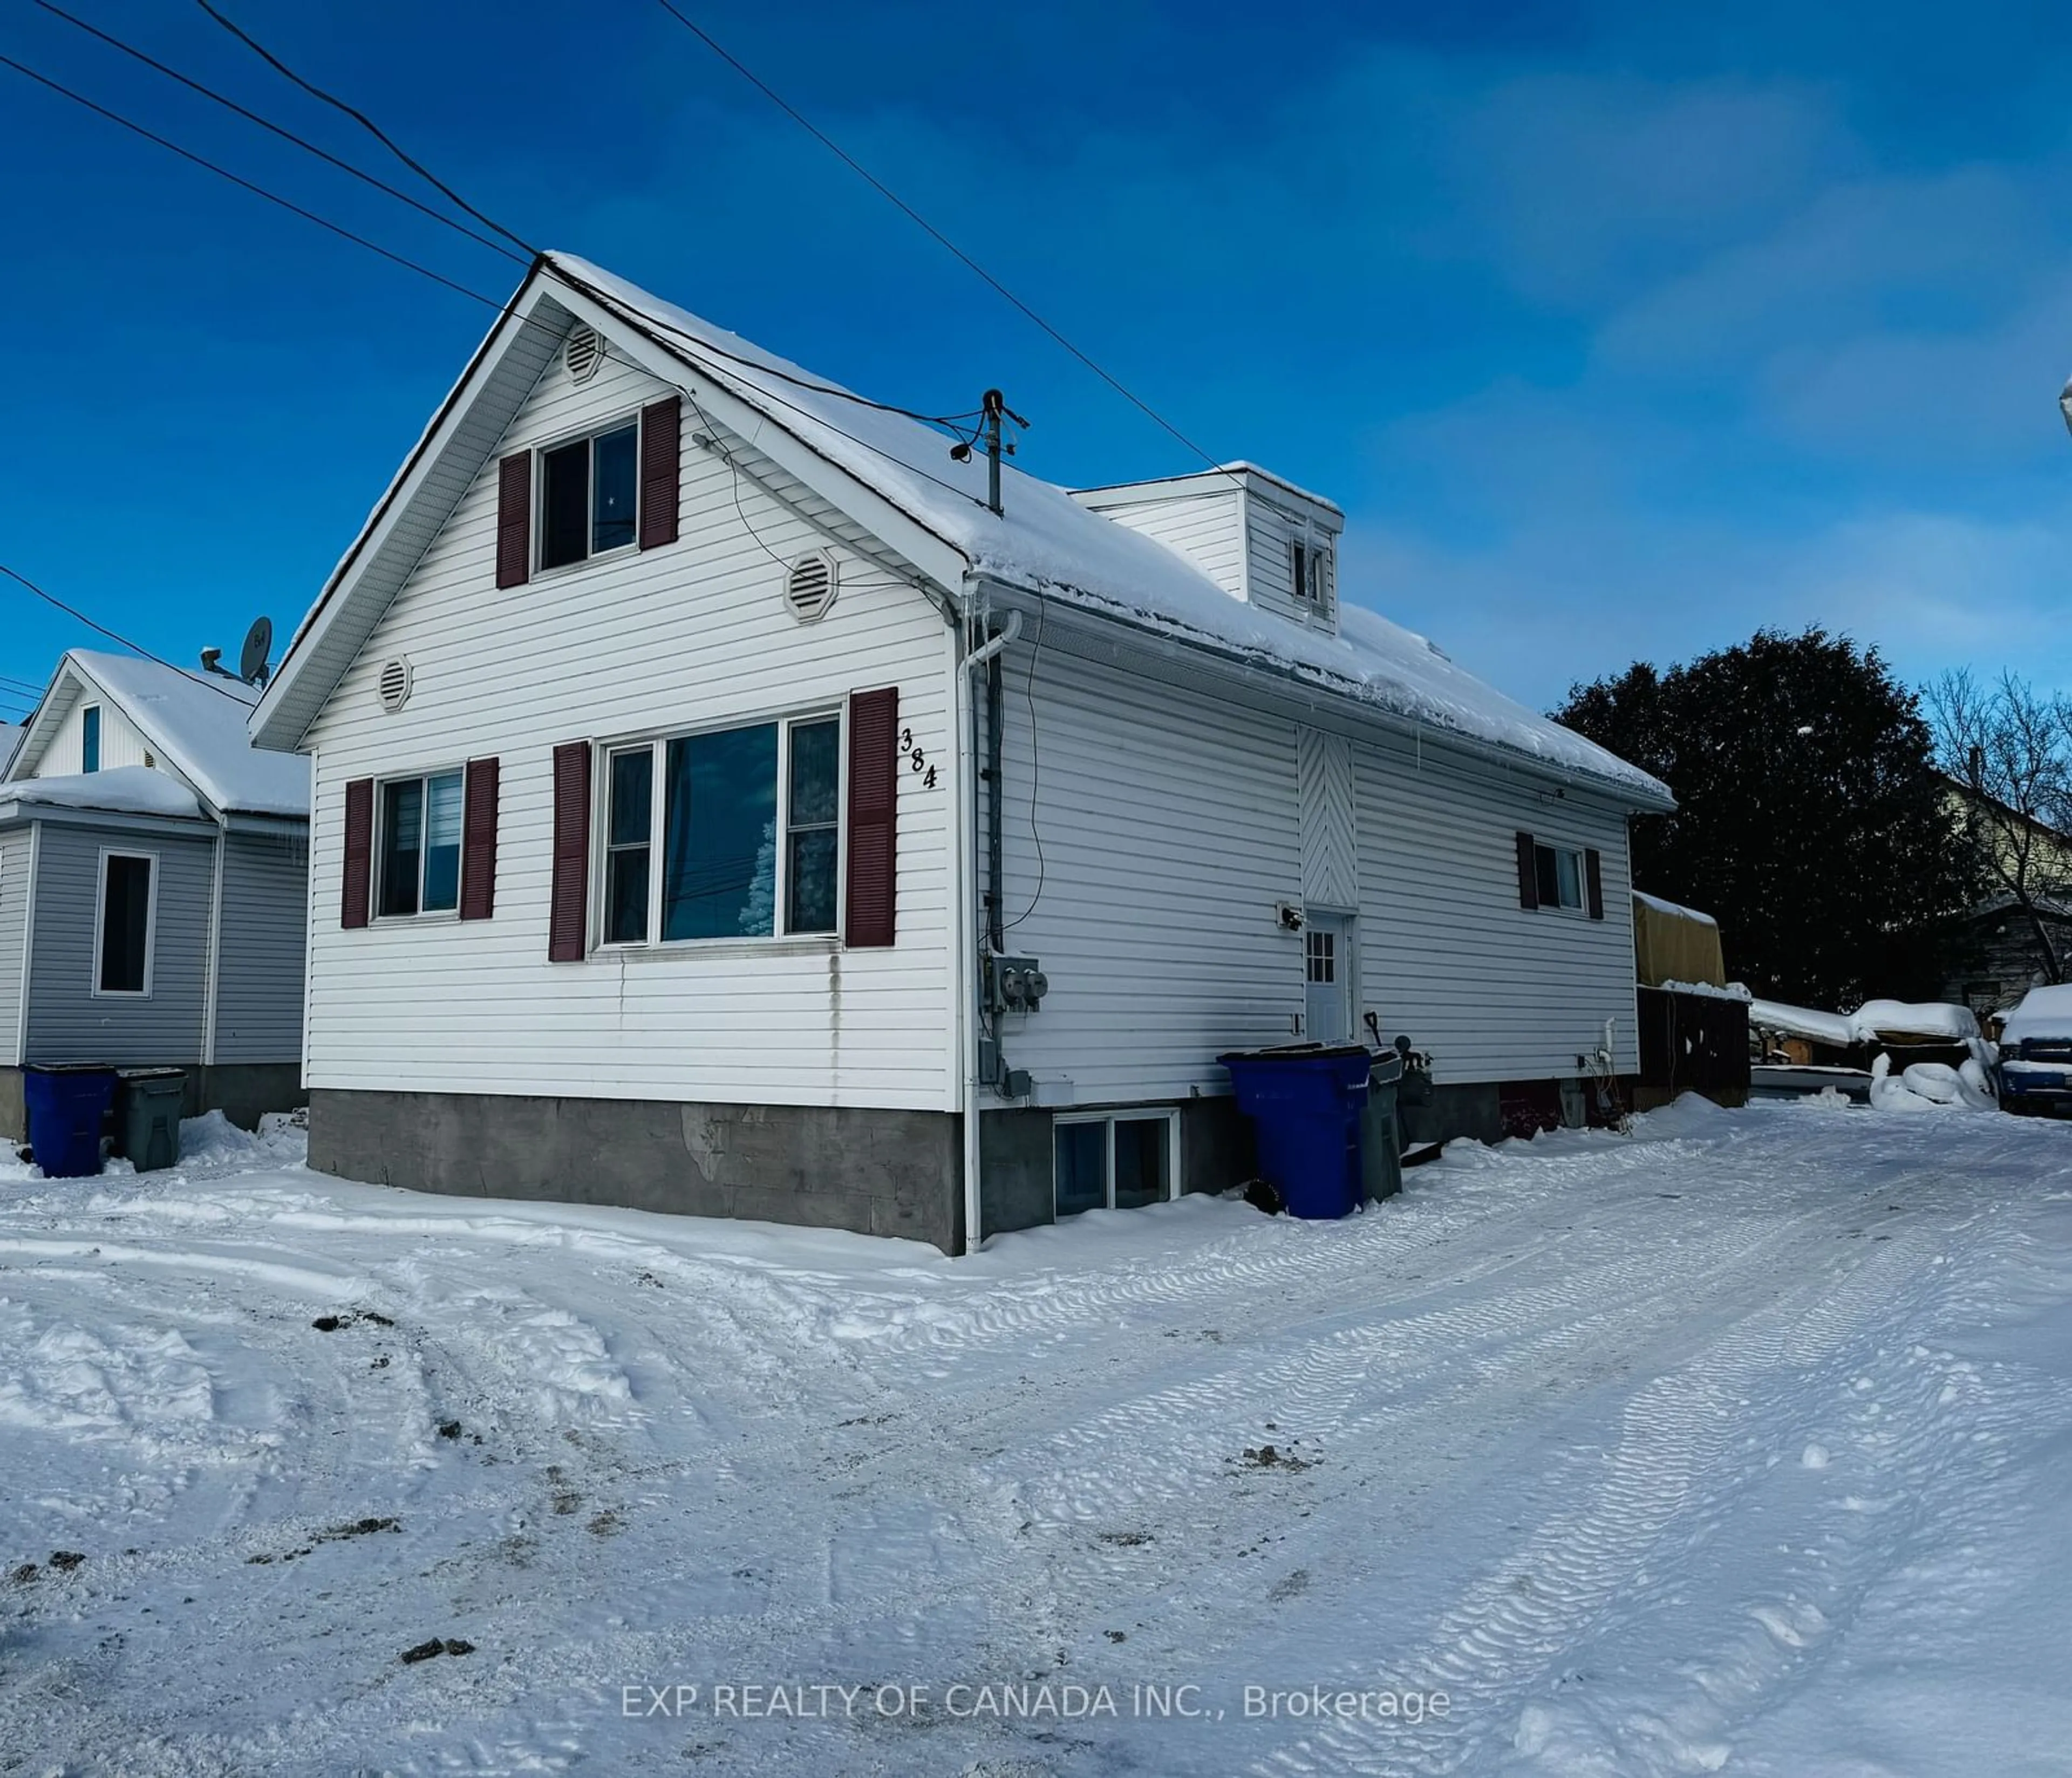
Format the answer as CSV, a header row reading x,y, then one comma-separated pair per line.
x,y
153,887
719,806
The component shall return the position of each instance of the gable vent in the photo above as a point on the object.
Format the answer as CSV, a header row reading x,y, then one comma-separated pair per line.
x,y
394,684
584,353
809,587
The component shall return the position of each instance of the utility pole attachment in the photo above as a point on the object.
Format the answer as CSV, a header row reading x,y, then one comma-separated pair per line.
x,y
996,410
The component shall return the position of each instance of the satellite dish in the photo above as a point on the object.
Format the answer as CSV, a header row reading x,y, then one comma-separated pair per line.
x,y
251,657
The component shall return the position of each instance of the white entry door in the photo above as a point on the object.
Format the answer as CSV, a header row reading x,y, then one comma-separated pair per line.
x,y
1327,947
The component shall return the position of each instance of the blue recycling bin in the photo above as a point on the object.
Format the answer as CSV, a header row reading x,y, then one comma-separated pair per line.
x,y
66,1107
1305,1103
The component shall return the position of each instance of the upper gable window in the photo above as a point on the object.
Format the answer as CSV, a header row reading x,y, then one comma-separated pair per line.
x,y
89,738
589,491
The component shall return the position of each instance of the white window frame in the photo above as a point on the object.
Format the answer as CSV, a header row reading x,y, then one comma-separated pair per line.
x,y
1582,906
1128,1114
581,435
424,780
654,745
100,737
100,923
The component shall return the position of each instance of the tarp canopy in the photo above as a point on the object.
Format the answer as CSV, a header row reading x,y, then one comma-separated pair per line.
x,y
1674,944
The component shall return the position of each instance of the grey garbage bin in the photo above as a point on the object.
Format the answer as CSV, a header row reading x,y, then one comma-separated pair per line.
x,y
1381,1136
147,1116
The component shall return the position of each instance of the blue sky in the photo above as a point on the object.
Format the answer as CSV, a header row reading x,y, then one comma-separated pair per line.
x,y
1618,329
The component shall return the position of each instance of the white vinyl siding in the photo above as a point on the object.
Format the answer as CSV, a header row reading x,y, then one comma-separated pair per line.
x,y
1207,528
693,633
1168,825
1170,828
1272,532
1494,991
121,744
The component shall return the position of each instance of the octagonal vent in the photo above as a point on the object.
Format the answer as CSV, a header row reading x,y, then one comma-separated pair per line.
x,y
809,587
584,352
394,684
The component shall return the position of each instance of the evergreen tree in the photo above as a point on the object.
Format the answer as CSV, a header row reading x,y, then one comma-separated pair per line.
x,y
1811,820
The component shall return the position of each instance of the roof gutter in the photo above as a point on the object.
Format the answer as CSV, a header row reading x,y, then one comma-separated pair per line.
x,y
1315,684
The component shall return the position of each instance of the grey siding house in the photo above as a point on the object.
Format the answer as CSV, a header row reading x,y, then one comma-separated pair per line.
x,y
154,888
723,804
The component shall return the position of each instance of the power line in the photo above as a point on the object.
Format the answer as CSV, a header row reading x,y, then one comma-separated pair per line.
x,y
365,123
906,209
538,254
542,263
102,629
286,135
258,191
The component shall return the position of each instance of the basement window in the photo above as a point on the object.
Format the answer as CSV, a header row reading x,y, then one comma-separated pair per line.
x,y
589,493
1559,872
419,845
1119,1160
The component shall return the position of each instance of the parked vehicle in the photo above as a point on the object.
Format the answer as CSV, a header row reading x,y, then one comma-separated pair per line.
x,y
2036,1053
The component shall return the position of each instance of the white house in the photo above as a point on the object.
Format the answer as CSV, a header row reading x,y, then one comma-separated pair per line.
x,y
153,887
718,808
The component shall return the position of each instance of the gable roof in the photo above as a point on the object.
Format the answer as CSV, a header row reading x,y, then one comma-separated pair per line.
x,y
195,726
1045,543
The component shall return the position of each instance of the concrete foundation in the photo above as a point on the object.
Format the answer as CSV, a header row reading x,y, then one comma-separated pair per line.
x,y
875,1172
1441,1113
243,1092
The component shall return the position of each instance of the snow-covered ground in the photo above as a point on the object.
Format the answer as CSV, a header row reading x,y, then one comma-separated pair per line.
x,y
1743,1444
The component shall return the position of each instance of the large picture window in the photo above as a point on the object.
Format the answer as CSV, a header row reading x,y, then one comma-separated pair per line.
x,y
727,835
126,929
419,845
590,495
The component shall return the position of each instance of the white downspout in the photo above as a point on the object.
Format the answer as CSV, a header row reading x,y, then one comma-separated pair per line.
x,y
968,973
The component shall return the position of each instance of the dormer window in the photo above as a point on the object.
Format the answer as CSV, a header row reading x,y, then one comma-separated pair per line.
x,y
589,491
1310,575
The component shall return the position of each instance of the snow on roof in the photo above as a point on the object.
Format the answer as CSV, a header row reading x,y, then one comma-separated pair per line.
x,y
2043,1012
1662,907
1924,1018
1822,1027
129,790
1875,1018
199,724
1048,544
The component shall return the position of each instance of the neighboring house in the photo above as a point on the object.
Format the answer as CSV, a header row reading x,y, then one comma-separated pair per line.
x,y
10,738
2020,936
153,887
718,808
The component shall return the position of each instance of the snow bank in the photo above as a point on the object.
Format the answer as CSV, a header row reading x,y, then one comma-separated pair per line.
x,y
1930,1086
1047,543
128,790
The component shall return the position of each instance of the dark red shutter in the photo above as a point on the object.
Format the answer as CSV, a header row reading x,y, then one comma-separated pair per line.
x,y
359,852
568,917
1528,873
661,448
477,841
873,809
1594,876
514,520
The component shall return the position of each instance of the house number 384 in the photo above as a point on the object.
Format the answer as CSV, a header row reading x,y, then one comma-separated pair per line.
x,y
917,760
